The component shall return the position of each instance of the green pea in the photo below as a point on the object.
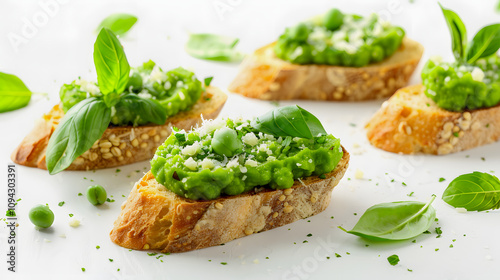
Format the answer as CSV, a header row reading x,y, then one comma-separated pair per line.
x,y
362,57
96,195
333,19
70,95
135,81
332,56
320,57
41,216
377,53
226,142
299,32
281,46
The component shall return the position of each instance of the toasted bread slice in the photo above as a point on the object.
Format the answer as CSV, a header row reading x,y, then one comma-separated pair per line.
x,y
410,122
156,218
267,77
118,145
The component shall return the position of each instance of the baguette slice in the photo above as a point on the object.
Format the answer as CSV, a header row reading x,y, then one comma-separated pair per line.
x,y
410,122
267,77
118,145
156,218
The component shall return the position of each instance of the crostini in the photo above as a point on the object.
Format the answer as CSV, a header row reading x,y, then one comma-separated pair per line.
x,y
455,109
119,120
231,178
340,57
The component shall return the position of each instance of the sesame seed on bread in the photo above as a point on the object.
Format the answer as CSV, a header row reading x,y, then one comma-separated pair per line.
x,y
118,145
410,122
155,218
262,75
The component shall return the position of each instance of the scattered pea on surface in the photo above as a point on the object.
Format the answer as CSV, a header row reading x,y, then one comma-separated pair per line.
x,y
41,216
96,195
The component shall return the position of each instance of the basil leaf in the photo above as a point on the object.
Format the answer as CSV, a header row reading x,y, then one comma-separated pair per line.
x,y
458,33
13,93
289,121
213,47
395,220
208,80
111,65
485,43
148,109
82,125
118,23
475,191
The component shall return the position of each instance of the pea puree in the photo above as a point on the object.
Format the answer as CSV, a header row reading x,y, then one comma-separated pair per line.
x,y
459,86
176,90
339,39
194,165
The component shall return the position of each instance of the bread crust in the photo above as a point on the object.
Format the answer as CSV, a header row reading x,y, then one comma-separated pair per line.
x,y
410,122
118,145
155,218
264,76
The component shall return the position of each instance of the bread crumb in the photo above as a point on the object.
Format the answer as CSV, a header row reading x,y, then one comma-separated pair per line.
x,y
359,174
256,261
74,223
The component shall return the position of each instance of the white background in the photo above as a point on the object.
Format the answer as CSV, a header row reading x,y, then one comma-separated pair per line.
x,y
60,50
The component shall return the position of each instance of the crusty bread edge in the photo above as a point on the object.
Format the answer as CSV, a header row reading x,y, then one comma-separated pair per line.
x,y
155,218
118,145
409,127
262,75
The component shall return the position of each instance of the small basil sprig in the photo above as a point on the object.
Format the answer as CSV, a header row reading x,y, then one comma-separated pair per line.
x,y
111,66
475,191
395,220
80,127
485,43
13,93
213,47
289,121
118,23
86,121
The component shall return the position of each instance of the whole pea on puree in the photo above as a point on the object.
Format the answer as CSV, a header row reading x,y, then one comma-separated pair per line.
x,y
340,39
472,81
233,156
